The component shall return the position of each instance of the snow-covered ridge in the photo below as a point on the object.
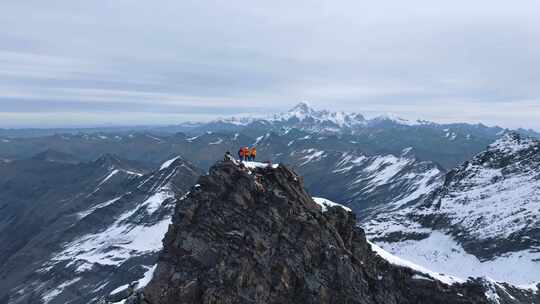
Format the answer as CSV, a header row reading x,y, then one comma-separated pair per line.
x,y
252,165
303,111
490,208
168,163
326,203
513,143
321,120
497,194
447,279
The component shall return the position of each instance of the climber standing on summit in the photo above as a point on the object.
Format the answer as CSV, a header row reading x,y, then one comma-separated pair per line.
x,y
241,154
246,153
253,153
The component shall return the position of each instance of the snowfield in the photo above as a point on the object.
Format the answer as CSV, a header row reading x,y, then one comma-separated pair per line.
x,y
442,254
447,279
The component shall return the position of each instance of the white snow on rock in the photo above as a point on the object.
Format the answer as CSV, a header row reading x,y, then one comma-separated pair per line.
x,y
325,204
154,202
217,142
311,155
252,165
491,293
98,206
425,183
494,196
510,143
51,294
141,283
109,176
119,288
440,252
348,162
114,245
147,277
154,138
121,240
493,206
387,167
168,163
447,279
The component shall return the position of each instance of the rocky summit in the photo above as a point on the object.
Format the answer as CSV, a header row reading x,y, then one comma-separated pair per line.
x,y
252,234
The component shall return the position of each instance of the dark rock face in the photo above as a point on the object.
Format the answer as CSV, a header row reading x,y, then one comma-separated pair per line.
x,y
255,236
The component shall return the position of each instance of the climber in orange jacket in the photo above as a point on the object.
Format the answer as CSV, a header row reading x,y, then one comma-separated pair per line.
x,y
253,153
241,154
246,153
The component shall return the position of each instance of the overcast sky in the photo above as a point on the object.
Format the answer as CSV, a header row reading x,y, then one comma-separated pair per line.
x,y
118,62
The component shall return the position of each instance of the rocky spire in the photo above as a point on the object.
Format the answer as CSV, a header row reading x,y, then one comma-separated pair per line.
x,y
254,235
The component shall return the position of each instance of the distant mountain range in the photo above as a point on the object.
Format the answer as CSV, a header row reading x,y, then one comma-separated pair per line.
x,y
446,144
459,198
301,116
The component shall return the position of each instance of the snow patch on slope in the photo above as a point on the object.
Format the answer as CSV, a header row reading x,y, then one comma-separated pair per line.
x,y
325,204
168,163
348,162
512,143
441,253
121,240
51,294
155,201
386,168
253,165
492,206
312,155
447,279
98,206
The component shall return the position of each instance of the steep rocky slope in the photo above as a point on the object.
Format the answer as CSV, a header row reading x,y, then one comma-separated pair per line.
x,y
366,183
81,230
484,219
253,235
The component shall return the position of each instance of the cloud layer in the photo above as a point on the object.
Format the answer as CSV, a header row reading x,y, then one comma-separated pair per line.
x,y
130,62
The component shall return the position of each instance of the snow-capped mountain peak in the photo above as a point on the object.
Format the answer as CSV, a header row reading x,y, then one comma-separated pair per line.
x,y
302,116
302,107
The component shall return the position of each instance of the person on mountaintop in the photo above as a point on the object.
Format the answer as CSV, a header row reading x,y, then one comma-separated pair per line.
x,y
253,153
246,153
241,154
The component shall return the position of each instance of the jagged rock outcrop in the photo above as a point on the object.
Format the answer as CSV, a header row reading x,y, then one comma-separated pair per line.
x,y
253,235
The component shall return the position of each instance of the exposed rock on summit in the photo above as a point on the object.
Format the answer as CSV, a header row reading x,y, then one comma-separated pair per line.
x,y
253,235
